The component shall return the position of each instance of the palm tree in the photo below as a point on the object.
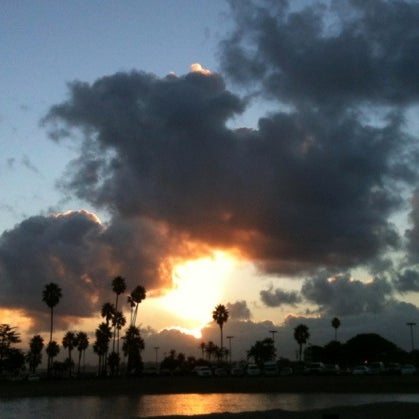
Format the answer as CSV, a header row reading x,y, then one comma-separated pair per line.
x,y
101,345
51,296
107,312
118,287
132,347
82,342
202,346
335,325
52,350
301,335
118,322
34,356
135,298
220,316
69,342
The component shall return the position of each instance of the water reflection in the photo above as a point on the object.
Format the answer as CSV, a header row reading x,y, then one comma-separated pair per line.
x,y
180,404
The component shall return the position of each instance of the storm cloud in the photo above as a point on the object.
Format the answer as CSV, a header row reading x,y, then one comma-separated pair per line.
x,y
277,297
315,186
343,296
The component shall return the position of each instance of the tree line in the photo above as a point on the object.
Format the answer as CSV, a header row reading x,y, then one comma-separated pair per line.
x,y
106,345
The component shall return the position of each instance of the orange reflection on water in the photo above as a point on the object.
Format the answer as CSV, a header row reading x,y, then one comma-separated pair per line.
x,y
184,404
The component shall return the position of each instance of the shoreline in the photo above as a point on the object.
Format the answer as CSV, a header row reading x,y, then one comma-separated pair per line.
x,y
119,386
385,410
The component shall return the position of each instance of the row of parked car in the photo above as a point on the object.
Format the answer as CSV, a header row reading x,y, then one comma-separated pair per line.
x,y
238,370
373,368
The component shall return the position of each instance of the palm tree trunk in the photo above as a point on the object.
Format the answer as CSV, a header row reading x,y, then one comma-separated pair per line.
x,y
52,322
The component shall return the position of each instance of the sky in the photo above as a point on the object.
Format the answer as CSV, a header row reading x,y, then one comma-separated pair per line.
x,y
262,155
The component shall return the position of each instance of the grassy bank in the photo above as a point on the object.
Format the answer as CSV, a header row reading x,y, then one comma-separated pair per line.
x,y
173,385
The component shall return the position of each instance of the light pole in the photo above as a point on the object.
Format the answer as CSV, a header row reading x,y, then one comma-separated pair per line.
x,y
156,348
411,324
273,332
229,347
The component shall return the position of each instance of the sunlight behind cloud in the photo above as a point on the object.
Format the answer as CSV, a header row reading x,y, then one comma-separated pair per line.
x,y
197,288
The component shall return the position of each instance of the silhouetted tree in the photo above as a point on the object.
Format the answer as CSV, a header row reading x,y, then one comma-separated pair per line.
x,y
51,296
118,286
52,350
335,325
82,343
369,347
9,357
118,322
132,347
107,312
8,336
262,351
34,356
101,346
202,346
137,295
301,335
69,343
210,350
220,316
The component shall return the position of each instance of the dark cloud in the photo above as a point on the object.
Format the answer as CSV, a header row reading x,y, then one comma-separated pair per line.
x,y
334,54
277,297
314,186
407,281
341,295
239,310
82,256
299,192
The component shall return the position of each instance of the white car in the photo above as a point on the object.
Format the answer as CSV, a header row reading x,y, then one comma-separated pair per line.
x,y
360,370
202,371
253,369
408,369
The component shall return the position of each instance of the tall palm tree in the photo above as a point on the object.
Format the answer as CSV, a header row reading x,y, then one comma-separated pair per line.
x,y
34,356
301,335
118,287
132,347
220,315
69,342
82,342
51,296
137,295
52,350
118,322
335,325
108,312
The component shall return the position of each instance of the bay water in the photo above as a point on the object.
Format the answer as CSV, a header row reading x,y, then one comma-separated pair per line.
x,y
180,404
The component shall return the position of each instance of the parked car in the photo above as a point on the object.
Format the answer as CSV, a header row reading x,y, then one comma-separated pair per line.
x,y
220,372
253,369
331,369
314,368
270,368
285,371
408,369
237,371
376,368
203,371
360,370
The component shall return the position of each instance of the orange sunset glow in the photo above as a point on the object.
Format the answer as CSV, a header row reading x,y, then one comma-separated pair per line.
x,y
198,286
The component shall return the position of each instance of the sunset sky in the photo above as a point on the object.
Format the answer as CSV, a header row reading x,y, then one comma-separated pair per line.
x,y
249,153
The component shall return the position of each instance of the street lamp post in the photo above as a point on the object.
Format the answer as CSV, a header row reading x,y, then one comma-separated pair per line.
x,y
229,347
411,324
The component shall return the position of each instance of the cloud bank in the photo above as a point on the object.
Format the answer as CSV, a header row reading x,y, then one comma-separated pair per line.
x,y
315,187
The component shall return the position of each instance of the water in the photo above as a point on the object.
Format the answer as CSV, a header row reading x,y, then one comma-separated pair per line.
x,y
180,404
